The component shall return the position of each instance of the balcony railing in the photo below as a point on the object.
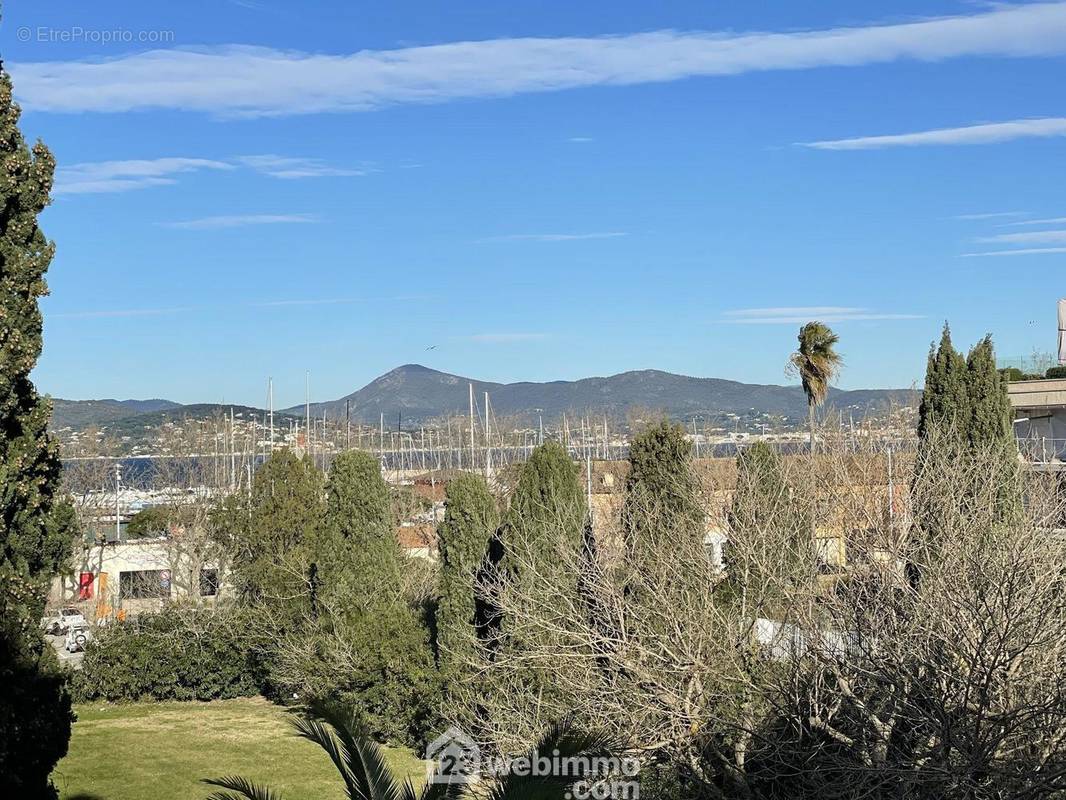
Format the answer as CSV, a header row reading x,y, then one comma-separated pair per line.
x,y
1042,450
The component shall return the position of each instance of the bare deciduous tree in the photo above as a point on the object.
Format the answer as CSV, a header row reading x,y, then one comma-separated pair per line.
x,y
932,665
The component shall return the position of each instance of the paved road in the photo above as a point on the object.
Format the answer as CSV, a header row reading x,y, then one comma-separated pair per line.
x,y
72,660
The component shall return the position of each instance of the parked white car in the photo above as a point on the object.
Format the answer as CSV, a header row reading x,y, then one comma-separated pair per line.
x,y
62,622
77,638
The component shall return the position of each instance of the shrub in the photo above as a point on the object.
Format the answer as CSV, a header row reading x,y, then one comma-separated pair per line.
x,y
1013,374
1056,372
179,654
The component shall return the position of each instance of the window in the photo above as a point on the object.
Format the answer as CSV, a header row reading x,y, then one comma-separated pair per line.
x,y
208,582
144,584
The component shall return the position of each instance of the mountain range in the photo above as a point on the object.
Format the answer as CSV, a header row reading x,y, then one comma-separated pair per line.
x,y
420,393
414,394
82,413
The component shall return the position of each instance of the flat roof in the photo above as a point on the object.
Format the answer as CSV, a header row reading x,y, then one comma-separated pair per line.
x,y
1037,394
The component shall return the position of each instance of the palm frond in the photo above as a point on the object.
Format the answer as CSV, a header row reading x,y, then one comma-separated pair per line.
x,y
314,729
816,361
364,758
431,791
238,788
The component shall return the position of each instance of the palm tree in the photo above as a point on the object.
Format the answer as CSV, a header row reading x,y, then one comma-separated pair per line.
x,y
367,776
817,363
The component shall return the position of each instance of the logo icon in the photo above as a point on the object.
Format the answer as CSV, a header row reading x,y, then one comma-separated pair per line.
x,y
453,757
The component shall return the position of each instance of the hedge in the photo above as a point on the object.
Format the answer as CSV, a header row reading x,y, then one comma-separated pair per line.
x,y
178,654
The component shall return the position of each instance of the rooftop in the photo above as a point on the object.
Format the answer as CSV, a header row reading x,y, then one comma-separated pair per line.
x,y
1038,393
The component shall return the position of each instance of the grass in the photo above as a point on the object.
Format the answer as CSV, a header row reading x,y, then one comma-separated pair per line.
x,y
160,751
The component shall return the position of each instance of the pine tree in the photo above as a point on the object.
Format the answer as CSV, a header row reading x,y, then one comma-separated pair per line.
x,y
471,520
36,527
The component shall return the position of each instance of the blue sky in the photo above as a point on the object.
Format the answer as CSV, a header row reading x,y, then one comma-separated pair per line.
x,y
536,191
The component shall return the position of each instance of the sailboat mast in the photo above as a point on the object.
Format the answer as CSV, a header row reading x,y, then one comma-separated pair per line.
x,y
472,458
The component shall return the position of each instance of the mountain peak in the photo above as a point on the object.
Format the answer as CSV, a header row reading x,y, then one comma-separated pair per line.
x,y
412,368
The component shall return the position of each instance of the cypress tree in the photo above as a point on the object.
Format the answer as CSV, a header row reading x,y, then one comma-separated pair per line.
x,y
544,526
36,526
991,429
271,533
965,413
945,401
770,526
547,509
365,607
661,492
991,416
763,495
965,397
359,535
470,522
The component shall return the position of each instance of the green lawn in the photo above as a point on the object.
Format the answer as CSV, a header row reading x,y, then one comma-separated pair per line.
x,y
159,751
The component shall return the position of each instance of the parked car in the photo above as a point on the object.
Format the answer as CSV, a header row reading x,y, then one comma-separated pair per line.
x,y
63,621
77,638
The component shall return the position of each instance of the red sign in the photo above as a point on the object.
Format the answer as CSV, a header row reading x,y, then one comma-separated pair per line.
x,y
85,586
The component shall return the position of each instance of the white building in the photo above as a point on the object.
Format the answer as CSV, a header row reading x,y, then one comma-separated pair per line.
x,y
1040,419
116,579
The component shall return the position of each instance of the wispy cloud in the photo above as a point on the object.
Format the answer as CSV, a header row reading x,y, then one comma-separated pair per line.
x,y
241,80
1029,237
289,167
1052,221
123,176
241,220
990,133
801,314
504,338
581,139
993,215
1030,251
553,237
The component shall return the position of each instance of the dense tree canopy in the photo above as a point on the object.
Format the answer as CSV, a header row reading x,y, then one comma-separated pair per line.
x,y
36,528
